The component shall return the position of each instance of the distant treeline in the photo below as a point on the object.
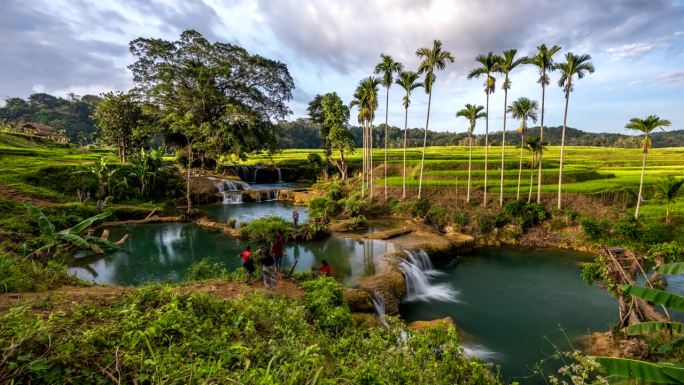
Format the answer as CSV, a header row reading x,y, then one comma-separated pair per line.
x,y
71,114
301,133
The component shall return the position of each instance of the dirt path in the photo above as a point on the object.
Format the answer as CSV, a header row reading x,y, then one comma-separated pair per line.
x,y
19,196
65,298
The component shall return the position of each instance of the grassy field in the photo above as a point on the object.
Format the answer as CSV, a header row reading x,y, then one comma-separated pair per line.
x,y
587,170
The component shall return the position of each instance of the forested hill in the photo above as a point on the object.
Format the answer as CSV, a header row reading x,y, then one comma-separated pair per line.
x,y
71,114
301,133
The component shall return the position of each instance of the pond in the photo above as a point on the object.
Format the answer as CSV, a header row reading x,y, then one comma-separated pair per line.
x,y
163,252
508,301
249,211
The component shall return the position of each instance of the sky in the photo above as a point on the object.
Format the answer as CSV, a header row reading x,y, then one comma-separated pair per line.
x,y
637,48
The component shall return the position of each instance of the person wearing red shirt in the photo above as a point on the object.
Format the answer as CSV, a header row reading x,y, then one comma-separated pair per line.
x,y
247,262
277,251
325,269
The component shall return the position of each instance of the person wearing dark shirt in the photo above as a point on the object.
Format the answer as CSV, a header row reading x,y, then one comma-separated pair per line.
x,y
247,262
277,251
295,218
268,269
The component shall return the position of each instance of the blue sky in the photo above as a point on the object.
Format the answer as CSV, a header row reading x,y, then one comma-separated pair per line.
x,y
637,47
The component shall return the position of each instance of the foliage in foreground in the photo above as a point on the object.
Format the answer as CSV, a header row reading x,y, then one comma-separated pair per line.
x,y
19,274
158,335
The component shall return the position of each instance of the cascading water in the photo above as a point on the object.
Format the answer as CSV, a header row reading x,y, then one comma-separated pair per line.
x,y
417,271
230,190
280,176
379,306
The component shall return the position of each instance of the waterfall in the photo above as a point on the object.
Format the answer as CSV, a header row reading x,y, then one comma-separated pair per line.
x,y
379,306
417,273
230,190
280,176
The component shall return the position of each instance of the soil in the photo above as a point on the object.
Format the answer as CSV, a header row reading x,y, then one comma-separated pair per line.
x,y
19,196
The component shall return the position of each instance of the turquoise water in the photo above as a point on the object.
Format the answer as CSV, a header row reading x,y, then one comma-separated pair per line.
x,y
249,211
509,301
163,252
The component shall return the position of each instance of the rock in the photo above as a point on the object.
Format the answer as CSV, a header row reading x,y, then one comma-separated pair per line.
x,y
359,301
203,190
224,227
367,319
389,234
440,323
390,286
347,225
634,348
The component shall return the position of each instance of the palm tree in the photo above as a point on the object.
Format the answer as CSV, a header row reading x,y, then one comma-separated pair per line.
x,y
506,65
536,148
579,65
646,126
408,81
668,188
366,100
522,109
387,67
471,112
432,59
543,60
489,64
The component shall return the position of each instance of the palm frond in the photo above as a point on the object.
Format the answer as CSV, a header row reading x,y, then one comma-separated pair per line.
x,y
44,225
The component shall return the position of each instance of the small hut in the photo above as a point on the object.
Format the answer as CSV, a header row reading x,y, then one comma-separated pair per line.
x,y
45,131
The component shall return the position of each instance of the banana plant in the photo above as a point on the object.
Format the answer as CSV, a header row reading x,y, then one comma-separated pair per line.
x,y
70,238
622,369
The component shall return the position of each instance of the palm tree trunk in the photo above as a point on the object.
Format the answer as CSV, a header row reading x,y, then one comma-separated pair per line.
x,y
522,143
386,114
529,194
641,185
370,156
422,160
363,167
503,149
187,188
403,190
560,170
484,203
470,163
541,139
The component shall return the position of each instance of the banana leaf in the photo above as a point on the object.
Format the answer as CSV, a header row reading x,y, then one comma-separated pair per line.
x,y
652,327
46,228
79,228
671,268
667,348
622,368
74,239
659,297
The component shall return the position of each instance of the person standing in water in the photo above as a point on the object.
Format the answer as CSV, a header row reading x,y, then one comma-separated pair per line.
x,y
277,250
247,262
268,269
295,218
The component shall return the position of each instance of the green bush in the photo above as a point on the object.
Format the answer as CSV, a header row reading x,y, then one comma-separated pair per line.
x,y
264,230
514,208
668,251
415,207
324,301
355,206
654,233
627,228
437,217
22,274
595,230
485,223
323,207
205,269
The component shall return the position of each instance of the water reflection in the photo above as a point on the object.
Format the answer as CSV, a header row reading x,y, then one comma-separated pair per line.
x,y
247,212
163,252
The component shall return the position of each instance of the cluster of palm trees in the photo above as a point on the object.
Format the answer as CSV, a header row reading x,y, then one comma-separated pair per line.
x,y
435,58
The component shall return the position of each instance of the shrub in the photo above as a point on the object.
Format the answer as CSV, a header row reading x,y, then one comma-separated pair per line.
x,y
627,228
324,301
655,233
264,230
415,207
514,208
314,158
323,207
205,269
22,274
669,252
437,217
461,219
595,230
355,206
485,223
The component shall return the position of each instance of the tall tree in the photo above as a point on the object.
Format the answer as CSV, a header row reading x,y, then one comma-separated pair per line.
x,y
387,68
315,111
431,59
335,117
489,64
366,100
543,60
212,92
522,109
118,116
668,188
645,126
536,147
507,64
408,80
472,112
574,65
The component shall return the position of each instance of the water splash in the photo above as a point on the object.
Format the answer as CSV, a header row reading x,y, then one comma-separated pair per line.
x,y
379,306
480,351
